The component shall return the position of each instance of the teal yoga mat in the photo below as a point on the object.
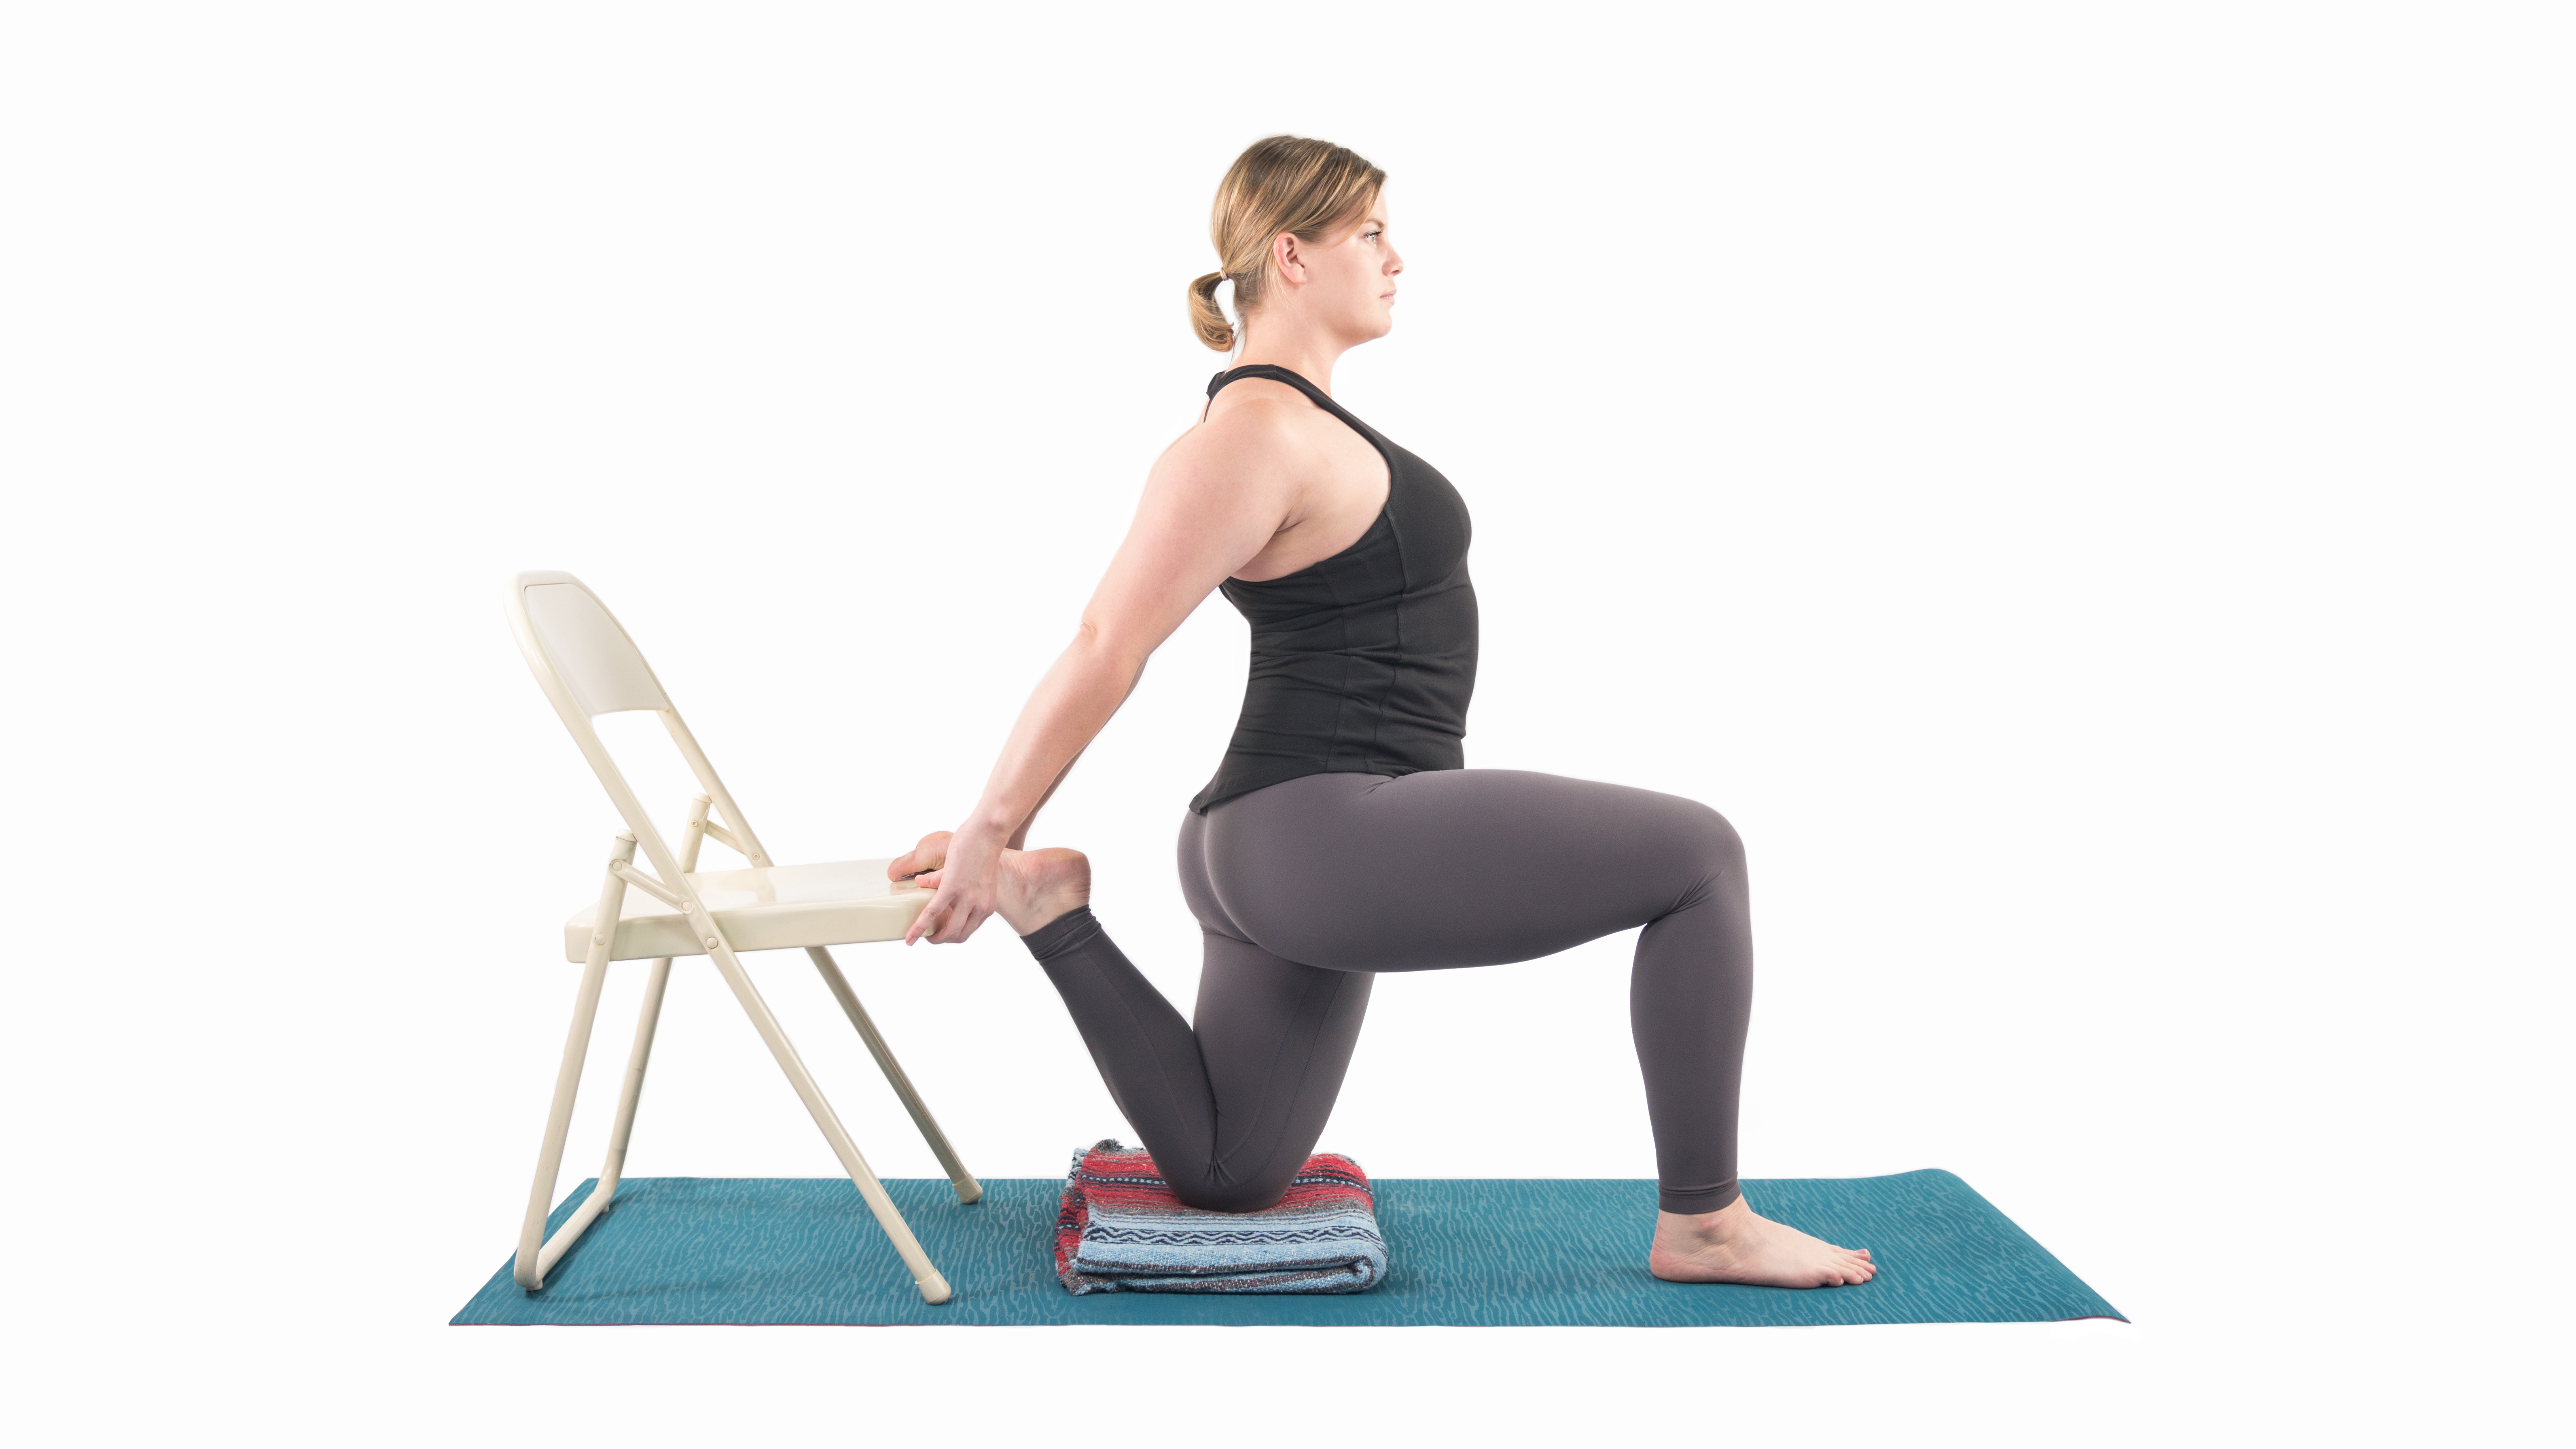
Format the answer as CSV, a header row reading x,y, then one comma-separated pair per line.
x,y
1497,1252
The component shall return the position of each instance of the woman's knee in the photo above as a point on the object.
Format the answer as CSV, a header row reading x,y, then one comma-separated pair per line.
x,y
1231,1199
1713,844
1213,1192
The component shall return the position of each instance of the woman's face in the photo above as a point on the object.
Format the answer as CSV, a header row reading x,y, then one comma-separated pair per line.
x,y
1350,282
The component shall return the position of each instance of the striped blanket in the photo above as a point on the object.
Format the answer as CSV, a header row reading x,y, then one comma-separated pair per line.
x,y
1122,1231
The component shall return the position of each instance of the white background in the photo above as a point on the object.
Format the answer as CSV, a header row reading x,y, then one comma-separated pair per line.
x,y
2084,489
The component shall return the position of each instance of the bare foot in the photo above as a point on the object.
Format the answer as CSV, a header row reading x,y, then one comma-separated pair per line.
x,y
1732,1245
1037,886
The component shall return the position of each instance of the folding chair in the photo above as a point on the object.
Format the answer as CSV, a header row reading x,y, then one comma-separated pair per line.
x,y
588,666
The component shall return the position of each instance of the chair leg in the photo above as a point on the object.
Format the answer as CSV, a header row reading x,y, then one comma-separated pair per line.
x,y
934,1288
646,1021
536,1253
967,1188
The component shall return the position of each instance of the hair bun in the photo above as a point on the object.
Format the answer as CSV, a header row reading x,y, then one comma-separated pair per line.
x,y
1206,317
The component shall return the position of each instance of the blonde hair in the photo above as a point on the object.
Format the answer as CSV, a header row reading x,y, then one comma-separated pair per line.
x,y
1293,184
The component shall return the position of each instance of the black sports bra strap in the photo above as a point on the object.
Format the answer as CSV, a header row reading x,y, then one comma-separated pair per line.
x,y
1275,373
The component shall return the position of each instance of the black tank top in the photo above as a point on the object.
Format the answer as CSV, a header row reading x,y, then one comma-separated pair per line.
x,y
1363,663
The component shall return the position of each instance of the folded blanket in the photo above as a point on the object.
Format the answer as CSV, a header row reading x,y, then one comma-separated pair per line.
x,y
1122,1231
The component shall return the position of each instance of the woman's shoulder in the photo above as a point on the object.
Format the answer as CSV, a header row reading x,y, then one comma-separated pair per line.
x,y
1245,390
1254,425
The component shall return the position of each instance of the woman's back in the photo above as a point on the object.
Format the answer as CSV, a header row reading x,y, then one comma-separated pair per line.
x,y
1364,661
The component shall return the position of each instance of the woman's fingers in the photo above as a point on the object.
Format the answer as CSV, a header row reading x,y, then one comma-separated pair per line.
x,y
947,920
959,924
958,919
928,922
961,887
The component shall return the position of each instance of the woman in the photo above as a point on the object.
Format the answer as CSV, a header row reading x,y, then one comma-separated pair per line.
x,y
1342,835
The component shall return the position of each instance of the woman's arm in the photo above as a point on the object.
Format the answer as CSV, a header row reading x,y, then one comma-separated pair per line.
x,y
1213,501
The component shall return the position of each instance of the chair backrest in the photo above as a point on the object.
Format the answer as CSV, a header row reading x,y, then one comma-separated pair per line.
x,y
587,666
583,644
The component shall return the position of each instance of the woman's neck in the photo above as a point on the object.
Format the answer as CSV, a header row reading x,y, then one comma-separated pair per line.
x,y
1308,356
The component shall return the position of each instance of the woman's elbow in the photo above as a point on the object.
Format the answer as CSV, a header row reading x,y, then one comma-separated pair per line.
x,y
1105,645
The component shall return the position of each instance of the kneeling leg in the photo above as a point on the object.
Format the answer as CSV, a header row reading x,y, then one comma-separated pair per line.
x,y
1230,1110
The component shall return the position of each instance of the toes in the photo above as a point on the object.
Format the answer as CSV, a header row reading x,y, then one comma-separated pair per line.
x,y
928,855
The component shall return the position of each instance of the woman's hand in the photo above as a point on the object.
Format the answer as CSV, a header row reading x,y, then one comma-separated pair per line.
x,y
1215,499
965,871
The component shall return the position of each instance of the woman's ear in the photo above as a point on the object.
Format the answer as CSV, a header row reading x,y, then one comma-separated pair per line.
x,y
1288,257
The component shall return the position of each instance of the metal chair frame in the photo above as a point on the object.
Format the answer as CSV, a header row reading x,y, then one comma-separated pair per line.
x,y
588,666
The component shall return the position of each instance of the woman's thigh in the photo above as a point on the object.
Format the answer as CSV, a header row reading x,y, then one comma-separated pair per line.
x,y
1451,867
1275,1039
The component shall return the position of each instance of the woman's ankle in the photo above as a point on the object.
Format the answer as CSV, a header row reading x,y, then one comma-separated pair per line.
x,y
1711,1227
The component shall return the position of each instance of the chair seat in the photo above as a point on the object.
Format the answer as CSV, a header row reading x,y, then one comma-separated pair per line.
x,y
765,908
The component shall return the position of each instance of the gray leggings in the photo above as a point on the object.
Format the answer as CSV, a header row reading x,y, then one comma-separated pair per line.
x,y
1306,888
